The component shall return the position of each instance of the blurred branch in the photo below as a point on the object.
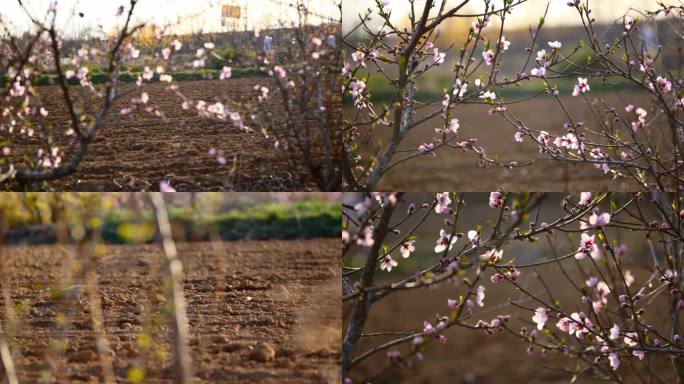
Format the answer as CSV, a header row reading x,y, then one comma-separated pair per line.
x,y
183,361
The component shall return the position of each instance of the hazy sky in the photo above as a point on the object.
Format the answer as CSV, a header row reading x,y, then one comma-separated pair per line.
x,y
207,13
524,14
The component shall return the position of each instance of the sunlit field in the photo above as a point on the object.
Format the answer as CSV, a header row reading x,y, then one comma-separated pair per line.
x,y
170,288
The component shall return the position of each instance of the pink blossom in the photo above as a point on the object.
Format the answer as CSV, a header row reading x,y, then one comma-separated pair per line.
x,y
614,332
504,44
480,295
426,148
148,74
540,317
614,361
496,278
488,57
629,22
629,278
165,186
538,72
279,71
587,246
226,73
664,85
460,87
493,255
585,198
568,141
82,73
387,263
543,138
555,44
488,96
518,136
356,87
406,248
541,56
428,328
358,57
631,339
443,200
599,221
454,125
345,237
473,236
452,304
131,52
365,238
513,274
495,199
437,57
443,241
582,86
564,324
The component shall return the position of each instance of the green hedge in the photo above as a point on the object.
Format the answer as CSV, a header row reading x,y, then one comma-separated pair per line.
x,y
131,77
302,220
270,221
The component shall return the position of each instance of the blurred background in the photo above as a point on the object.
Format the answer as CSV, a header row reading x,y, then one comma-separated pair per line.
x,y
35,218
89,294
471,356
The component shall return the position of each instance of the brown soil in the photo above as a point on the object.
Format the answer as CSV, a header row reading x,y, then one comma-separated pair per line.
x,y
263,311
138,151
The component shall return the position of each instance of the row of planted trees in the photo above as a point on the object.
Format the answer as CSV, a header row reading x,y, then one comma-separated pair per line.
x,y
305,87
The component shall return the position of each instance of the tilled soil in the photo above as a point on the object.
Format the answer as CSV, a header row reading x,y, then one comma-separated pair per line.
x,y
138,151
239,296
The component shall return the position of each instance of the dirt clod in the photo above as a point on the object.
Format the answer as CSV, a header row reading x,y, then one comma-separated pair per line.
x,y
263,352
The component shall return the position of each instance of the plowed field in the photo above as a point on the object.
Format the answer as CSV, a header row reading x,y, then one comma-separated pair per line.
x,y
241,297
138,151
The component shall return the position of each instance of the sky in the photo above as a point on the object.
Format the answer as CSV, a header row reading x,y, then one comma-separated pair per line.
x,y
524,15
204,15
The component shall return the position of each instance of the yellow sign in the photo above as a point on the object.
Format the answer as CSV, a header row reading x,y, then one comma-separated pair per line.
x,y
231,11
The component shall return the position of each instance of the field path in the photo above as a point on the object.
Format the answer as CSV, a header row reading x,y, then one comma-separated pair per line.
x,y
239,295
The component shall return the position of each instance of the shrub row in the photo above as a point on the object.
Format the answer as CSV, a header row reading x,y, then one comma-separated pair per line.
x,y
300,220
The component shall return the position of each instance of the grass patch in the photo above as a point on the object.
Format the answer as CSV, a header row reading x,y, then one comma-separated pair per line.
x,y
433,86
